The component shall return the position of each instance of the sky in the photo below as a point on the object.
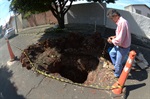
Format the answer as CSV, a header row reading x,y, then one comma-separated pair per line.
x,y
4,11
120,4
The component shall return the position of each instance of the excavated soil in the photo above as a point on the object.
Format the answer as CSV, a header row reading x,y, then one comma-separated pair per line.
x,y
78,57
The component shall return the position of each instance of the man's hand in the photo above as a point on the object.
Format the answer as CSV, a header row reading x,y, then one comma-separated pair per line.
x,y
109,40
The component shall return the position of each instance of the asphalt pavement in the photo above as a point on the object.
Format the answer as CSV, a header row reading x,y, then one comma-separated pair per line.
x,y
17,82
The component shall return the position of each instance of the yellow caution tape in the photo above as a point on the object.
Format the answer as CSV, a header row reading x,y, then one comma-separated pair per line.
x,y
68,81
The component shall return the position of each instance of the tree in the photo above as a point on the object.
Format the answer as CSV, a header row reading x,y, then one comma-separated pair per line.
x,y
58,7
28,7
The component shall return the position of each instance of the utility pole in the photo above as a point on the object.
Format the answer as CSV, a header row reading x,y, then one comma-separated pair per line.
x,y
16,22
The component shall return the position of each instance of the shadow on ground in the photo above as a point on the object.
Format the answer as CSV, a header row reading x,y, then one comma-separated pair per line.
x,y
136,76
13,36
133,87
71,52
7,88
139,75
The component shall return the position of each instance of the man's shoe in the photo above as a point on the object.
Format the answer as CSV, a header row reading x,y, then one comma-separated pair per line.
x,y
116,76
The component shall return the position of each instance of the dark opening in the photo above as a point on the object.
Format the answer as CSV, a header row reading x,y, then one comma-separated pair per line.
x,y
73,56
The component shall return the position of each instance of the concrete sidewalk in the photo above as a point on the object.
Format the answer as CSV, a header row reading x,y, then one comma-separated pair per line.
x,y
19,83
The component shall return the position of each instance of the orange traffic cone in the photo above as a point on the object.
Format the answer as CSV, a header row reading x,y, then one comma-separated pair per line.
x,y
117,87
12,56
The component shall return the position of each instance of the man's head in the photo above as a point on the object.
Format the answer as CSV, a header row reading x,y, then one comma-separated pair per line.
x,y
113,14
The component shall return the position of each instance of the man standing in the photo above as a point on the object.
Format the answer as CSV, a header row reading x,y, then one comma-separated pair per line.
x,y
121,41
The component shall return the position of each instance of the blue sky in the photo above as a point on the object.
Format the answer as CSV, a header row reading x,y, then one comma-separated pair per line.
x,y
120,4
4,11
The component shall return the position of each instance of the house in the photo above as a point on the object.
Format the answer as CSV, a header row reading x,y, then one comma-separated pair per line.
x,y
139,8
15,22
11,22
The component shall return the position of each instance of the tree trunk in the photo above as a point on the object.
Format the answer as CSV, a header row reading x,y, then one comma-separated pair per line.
x,y
61,22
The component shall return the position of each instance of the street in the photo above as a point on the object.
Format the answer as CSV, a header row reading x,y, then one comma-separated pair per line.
x,y
19,83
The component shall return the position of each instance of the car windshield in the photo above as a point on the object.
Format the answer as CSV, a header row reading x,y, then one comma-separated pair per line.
x,y
8,30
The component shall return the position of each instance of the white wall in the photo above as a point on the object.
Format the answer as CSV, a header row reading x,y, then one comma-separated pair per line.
x,y
93,12
19,24
87,13
12,23
144,10
129,8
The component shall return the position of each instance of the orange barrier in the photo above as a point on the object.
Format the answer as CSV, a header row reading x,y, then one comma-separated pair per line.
x,y
12,56
121,81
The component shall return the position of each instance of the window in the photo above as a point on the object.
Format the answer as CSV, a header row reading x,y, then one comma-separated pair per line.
x,y
138,11
148,15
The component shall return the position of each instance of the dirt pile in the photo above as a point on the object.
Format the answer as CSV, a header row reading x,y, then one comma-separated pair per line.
x,y
75,57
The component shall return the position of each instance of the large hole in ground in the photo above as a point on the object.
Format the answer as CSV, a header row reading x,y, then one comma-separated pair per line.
x,y
73,57
77,67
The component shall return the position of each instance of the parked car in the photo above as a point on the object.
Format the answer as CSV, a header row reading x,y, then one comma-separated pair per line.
x,y
9,33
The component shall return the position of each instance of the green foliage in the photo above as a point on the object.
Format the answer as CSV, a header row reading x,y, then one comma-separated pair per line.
x,y
28,7
26,15
25,6
37,6
58,7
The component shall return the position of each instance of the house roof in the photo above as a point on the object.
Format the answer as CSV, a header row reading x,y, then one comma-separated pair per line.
x,y
137,5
